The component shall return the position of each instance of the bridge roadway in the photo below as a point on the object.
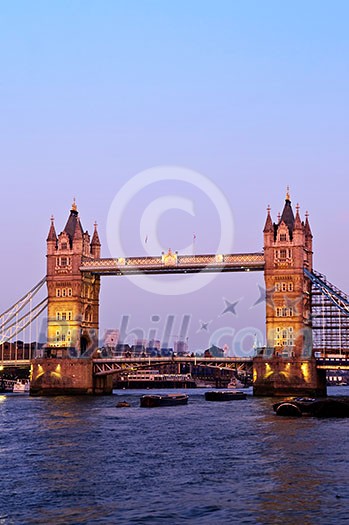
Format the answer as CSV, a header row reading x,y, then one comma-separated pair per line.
x,y
14,362
171,262
333,363
112,365
103,366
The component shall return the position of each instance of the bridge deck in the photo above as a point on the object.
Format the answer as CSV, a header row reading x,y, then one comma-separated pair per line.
x,y
14,362
333,363
113,365
174,263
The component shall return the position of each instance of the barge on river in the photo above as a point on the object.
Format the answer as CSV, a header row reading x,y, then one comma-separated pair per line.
x,y
224,395
166,400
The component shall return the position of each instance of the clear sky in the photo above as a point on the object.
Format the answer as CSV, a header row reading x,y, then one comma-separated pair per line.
x,y
251,95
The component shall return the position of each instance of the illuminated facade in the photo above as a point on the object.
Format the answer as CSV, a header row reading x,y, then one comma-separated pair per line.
x,y
287,251
73,296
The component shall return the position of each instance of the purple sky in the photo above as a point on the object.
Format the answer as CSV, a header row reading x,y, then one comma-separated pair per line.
x,y
251,95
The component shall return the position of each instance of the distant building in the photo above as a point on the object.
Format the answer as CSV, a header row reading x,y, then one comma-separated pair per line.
x,y
154,343
111,338
214,351
181,347
141,343
17,350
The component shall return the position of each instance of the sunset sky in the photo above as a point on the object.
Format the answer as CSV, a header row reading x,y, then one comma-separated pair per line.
x,y
246,97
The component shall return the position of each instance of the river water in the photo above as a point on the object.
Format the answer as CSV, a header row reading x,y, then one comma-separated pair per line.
x,y
81,460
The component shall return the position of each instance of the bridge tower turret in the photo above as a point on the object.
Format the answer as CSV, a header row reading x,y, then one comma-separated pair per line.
x,y
73,296
288,364
73,304
288,309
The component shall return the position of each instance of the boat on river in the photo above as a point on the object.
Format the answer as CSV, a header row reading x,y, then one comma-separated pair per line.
x,y
235,383
320,407
153,379
6,385
163,400
21,386
224,395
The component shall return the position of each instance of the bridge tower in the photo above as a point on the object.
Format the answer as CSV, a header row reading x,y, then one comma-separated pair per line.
x,y
288,365
73,312
73,296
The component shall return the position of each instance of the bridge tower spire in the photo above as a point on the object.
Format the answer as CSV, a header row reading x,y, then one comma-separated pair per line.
x,y
287,364
73,296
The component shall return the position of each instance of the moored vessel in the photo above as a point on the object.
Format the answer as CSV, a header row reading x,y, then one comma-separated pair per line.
x,y
235,383
153,379
224,395
6,385
21,386
166,400
321,407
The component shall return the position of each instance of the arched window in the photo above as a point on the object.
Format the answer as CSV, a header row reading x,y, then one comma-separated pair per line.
x,y
284,336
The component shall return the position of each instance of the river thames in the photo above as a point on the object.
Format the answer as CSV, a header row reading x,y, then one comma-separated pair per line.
x,y
81,460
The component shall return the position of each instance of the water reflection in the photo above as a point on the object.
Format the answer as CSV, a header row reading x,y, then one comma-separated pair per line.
x,y
300,453
81,460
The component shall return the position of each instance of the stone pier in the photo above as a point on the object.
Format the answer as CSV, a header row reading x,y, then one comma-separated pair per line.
x,y
67,376
293,376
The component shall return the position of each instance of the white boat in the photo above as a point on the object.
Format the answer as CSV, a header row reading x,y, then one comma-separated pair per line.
x,y
153,379
235,383
21,386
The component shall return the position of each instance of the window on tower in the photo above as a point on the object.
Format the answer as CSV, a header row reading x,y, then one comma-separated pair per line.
x,y
284,336
283,237
284,311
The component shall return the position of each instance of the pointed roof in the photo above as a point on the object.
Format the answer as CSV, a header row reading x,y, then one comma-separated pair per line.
x,y
307,228
268,223
287,215
52,236
95,238
73,223
79,232
297,222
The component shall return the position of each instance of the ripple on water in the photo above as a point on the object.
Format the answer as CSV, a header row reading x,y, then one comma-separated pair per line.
x,y
81,460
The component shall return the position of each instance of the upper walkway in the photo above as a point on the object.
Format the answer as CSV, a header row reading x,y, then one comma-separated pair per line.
x,y
171,262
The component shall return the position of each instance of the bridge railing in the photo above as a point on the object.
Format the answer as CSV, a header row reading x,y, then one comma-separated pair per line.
x,y
218,262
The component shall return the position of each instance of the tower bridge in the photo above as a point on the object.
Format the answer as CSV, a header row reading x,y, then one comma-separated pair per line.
x,y
172,263
305,314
